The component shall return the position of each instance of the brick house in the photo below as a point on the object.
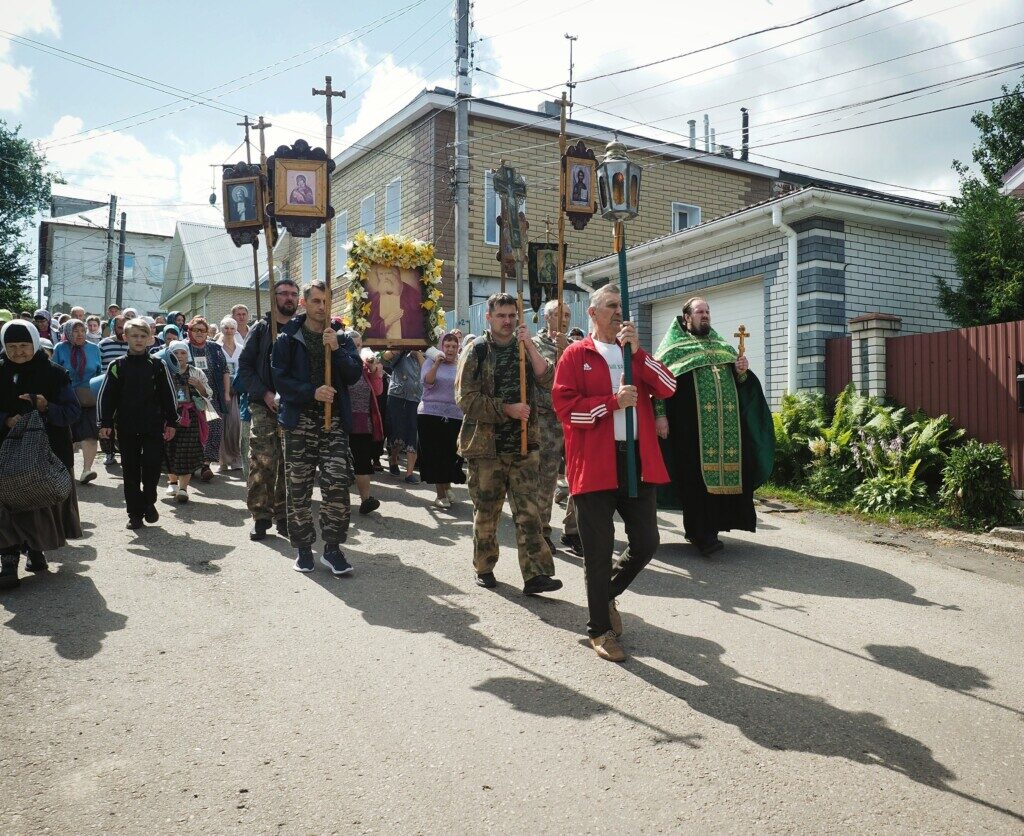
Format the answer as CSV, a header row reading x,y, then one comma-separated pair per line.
x,y
398,178
856,252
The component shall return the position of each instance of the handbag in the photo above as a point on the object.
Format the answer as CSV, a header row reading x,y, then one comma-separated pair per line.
x,y
86,397
31,475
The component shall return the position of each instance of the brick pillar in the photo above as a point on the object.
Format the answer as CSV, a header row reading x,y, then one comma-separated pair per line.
x,y
869,333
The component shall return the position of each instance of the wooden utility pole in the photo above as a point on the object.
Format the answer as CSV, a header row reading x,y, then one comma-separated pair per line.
x,y
120,263
268,231
109,272
329,93
562,186
255,260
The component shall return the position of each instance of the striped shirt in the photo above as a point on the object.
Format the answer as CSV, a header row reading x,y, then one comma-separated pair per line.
x,y
110,349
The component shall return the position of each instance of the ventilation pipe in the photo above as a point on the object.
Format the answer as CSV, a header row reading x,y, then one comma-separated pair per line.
x,y
714,142
791,301
693,133
707,133
745,150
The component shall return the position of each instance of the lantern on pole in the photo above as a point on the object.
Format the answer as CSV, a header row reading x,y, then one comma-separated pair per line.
x,y
618,194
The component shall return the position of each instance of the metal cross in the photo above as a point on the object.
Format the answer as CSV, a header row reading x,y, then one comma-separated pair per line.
x,y
743,333
511,190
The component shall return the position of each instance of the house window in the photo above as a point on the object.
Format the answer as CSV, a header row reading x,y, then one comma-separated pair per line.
x,y
155,266
340,241
684,216
307,260
490,211
368,214
129,266
93,262
321,251
393,206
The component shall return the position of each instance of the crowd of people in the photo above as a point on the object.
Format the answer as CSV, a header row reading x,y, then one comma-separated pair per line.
x,y
173,396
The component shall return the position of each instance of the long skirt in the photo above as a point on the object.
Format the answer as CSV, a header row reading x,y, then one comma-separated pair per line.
x,y
85,427
439,462
211,452
231,444
184,452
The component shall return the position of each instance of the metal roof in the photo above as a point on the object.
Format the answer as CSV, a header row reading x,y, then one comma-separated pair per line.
x,y
204,254
145,220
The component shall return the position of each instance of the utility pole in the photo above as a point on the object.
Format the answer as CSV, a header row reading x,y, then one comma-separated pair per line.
x,y
255,241
463,91
268,230
120,263
572,66
109,273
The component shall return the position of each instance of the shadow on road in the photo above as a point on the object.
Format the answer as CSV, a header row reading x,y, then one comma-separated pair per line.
x,y
920,665
63,605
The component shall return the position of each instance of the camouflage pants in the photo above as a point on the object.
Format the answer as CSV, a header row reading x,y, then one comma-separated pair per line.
x,y
307,449
550,462
265,480
490,480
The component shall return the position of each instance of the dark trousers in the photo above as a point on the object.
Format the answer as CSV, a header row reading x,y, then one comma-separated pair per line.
x,y
141,462
594,513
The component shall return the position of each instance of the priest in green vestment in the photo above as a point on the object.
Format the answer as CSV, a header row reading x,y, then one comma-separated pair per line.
x,y
718,438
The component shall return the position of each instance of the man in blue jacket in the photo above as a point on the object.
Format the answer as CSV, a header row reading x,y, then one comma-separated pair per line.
x,y
299,360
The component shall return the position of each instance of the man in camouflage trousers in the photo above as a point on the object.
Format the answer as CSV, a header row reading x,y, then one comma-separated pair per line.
x,y
303,349
265,482
487,391
551,342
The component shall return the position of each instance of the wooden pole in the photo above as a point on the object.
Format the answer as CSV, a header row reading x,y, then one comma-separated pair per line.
x,y
268,233
523,422
560,257
329,93
255,259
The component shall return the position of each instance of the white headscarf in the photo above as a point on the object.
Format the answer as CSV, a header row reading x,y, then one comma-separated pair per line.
x,y
33,332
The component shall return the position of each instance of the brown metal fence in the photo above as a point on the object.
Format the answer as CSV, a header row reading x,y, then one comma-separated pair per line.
x,y
838,365
969,374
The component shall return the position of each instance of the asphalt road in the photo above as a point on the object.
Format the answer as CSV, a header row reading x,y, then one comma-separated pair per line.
x,y
820,676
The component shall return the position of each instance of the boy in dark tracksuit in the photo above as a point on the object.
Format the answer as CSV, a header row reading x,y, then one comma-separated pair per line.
x,y
137,397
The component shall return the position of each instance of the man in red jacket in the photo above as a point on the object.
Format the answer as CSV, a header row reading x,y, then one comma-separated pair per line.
x,y
591,399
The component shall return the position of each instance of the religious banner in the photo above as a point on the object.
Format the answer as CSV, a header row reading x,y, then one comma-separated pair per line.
x,y
543,272
394,295
243,203
300,188
579,178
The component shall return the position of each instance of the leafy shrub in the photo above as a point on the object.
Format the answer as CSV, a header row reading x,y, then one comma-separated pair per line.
x,y
889,492
800,417
831,482
977,487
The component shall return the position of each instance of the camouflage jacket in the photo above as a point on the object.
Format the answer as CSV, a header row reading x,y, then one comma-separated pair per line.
x,y
549,351
474,393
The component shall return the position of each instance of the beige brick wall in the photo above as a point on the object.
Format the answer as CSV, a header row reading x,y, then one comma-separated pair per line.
x,y
219,302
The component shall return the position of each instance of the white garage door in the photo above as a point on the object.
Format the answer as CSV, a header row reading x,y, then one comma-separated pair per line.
x,y
731,305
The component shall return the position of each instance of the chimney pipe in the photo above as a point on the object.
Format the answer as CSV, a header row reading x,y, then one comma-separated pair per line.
x,y
707,133
693,133
714,144
745,150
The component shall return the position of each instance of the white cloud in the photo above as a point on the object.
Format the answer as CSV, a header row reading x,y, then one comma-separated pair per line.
x,y
26,17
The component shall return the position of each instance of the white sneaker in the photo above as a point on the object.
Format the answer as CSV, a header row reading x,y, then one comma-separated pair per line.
x,y
181,496
439,503
172,488
88,476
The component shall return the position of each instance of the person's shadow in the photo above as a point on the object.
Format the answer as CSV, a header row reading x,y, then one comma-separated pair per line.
x,y
63,605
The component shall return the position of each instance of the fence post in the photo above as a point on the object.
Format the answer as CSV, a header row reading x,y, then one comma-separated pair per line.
x,y
869,333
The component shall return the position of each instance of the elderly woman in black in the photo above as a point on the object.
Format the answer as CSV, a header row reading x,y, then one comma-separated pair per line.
x,y
29,381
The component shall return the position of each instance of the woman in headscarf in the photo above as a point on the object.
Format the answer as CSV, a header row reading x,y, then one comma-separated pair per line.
x,y
208,357
83,361
231,444
191,390
28,381
367,425
439,420
177,319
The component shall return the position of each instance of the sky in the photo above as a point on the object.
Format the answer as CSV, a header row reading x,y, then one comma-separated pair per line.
x,y
136,129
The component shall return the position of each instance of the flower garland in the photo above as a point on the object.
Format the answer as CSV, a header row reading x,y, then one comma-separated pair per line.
x,y
393,251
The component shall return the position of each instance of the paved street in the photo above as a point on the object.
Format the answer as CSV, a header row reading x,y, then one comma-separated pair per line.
x,y
814,678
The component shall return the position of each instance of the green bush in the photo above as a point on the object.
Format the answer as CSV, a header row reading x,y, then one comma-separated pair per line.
x,y
889,492
800,417
831,482
977,487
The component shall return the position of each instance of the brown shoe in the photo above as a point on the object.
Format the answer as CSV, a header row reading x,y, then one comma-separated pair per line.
x,y
615,618
608,647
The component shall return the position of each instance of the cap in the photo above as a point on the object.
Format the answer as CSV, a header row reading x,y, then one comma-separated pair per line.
x,y
42,312
6,315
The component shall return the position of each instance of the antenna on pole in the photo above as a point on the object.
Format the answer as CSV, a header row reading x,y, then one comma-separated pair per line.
x,y
572,66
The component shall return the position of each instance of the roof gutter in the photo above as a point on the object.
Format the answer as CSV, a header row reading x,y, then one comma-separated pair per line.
x,y
792,302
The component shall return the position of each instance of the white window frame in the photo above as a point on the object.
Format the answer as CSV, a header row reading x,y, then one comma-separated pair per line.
x,y
372,228
490,210
340,241
90,264
393,213
129,272
307,261
321,251
692,213
149,272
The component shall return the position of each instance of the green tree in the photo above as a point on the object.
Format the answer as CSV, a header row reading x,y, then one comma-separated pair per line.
x,y
24,191
988,242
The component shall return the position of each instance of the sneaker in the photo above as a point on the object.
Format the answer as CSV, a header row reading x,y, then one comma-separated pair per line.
x,y
394,470
304,560
9,571
152,515
369,505
334,559
574,543
412,479
205,475
541,583
282,527
133,523
608,647
442,503
109,460
182,496
614,618
172,488
259,529
36,562
551,545
486,580
88,476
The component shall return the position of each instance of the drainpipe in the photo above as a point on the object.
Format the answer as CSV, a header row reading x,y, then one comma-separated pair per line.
x,y
791,302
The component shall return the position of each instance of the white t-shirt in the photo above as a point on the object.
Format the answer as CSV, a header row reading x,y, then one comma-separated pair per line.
x,y
612,354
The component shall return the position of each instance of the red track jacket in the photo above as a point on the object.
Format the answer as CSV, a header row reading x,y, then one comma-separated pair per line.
x,y
583,399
